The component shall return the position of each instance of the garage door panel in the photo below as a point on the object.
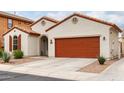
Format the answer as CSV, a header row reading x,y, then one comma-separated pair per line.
x,y
77,47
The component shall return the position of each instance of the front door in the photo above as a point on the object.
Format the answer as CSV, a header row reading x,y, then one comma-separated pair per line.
x,y
44,46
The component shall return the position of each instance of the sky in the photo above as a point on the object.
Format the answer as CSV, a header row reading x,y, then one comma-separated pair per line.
x,y
116,17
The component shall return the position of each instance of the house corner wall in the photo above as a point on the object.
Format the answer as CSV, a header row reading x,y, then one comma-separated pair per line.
x,y
104,45
114,43
33,45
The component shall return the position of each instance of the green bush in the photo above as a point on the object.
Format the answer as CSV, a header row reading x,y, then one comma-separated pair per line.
x,y
101,60
5,57
1,51
18,54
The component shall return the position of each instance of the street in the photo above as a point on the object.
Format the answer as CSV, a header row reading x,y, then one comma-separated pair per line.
x,y
10,76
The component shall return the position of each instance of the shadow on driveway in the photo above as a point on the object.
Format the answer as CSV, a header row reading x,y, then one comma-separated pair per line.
x,y
12,76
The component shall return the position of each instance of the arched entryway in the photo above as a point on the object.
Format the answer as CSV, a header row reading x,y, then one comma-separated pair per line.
x,y
44,46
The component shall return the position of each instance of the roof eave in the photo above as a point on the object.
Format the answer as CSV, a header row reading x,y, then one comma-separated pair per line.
x,y
15,17
31,33
116,27
87,17
55,21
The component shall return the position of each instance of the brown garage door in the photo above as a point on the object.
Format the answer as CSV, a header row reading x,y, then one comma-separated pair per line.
x,y
86,47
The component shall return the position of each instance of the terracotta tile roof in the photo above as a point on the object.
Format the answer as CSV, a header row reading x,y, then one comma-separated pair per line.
x,y
27,30
46,18
89,18
9,15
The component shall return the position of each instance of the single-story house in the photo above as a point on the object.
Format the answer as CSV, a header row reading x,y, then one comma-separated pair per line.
x,y
121,39
77,36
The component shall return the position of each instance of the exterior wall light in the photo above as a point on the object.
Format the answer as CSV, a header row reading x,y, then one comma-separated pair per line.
x,y
51,42
104,38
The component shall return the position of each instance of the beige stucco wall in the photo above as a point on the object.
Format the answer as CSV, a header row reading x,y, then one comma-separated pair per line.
x,y
114,43
33,45
38,27
24,40
83,28
122,40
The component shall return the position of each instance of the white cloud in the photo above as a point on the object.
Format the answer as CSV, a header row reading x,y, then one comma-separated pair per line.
x,y
96,14
117,18
58,15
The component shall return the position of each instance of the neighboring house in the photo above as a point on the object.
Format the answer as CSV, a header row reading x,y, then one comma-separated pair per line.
x,y
7,21
121,39
77,36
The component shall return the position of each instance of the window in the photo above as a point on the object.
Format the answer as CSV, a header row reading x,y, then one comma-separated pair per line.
x,y
10,23
15,43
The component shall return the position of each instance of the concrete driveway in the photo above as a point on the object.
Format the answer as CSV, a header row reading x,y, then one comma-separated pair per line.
x,y
65,68
59,64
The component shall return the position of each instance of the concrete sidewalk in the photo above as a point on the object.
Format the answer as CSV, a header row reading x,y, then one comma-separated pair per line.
x,y
57,68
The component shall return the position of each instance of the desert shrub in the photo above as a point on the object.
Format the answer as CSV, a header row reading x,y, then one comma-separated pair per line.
x,y
101,60
5,57
18,54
